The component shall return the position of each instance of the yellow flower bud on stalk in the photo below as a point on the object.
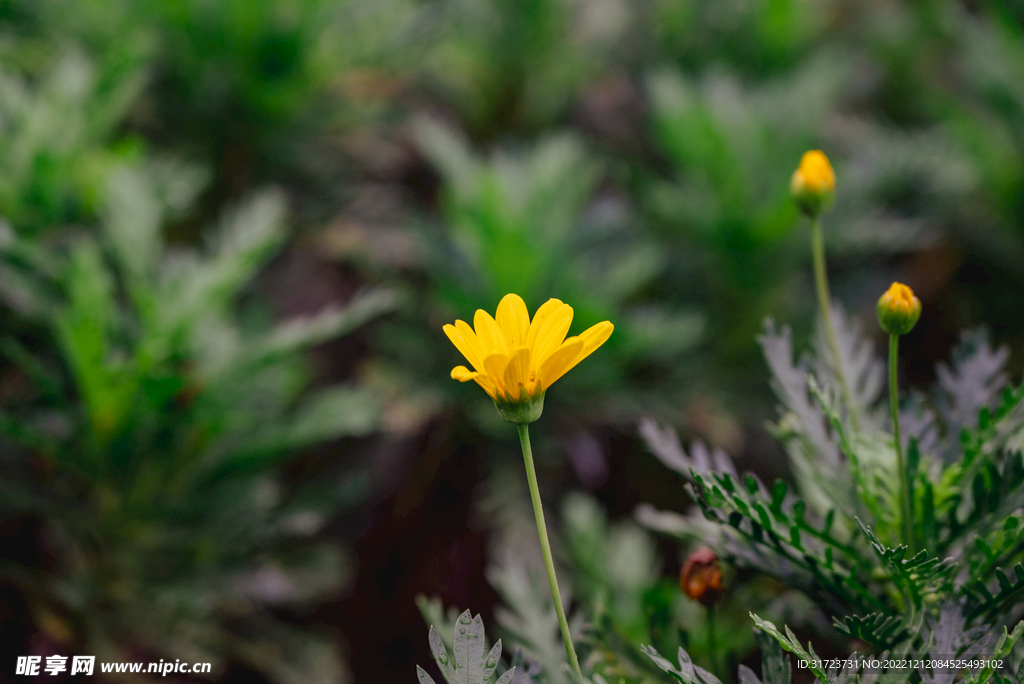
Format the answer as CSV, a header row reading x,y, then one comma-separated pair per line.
x,y
898,310
813,185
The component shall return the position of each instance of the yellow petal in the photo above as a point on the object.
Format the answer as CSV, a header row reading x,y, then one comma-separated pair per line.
x,y
463,374
559,363
564,359
517,373
489,334
495,365
489,387
513,319
543,313
464,339
551,334
594,336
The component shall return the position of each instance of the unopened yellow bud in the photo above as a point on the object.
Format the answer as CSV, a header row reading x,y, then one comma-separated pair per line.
x,y
898,310
813,185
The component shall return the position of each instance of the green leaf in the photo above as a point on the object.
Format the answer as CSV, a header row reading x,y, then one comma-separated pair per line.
x,y
778,496
422,676
132,225
326,325
985,601
788,641
687,672
469,648
876,629
775,665
1002,650
468,665
441,656
916,577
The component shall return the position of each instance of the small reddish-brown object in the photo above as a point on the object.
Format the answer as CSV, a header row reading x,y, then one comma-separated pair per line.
x,y
701,578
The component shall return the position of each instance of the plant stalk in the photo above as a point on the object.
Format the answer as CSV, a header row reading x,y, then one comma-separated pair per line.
x,y
906,507
824,301
545,547
713,643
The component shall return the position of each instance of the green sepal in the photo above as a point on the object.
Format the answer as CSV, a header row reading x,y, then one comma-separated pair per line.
x,y
522,412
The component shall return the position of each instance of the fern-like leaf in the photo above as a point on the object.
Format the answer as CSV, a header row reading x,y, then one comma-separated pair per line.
x,y
687,672
789,642
468,665
987,601
876,629
917,576
664,443
972,382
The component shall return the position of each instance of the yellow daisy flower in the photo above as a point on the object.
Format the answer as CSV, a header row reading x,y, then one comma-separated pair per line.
x,y
515,359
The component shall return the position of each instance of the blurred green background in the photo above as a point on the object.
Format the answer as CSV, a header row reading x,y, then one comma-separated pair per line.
x,y
230,233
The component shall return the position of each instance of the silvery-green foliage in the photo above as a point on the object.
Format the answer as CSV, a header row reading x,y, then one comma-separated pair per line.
x,y
526,616
164,418
972,381
613,565
836,534
467,663
776,667
687,672
664,443
608,574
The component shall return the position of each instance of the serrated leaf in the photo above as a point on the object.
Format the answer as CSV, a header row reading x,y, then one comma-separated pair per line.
x,y
664,444
507,677
468,665
972,383
460,655
775,665
422,676
474,649
441,656
876,629
790,384
789,642
1003,648
686,672
490,662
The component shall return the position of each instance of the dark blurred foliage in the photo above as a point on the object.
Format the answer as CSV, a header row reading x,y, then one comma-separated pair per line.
x,y
630,158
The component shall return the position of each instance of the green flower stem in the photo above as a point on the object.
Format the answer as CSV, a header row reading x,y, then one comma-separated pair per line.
x,y
545,547
906,508
824,300
713,644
